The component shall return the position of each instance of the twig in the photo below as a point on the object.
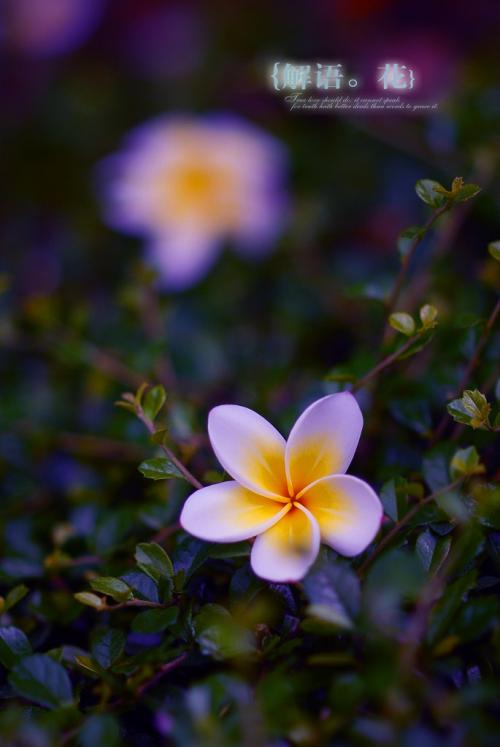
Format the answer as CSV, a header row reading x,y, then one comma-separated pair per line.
x,y
387,539
405,262
483,339
184,470
384,363
132,603
164,669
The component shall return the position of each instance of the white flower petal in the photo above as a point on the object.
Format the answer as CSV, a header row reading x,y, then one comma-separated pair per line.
x,y
347,510
286,551
250,449
227,512
323,440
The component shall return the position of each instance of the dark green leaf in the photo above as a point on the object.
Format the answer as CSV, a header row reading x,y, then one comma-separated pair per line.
x,y
107,646
14,596
155,620
220,636
445,610
160,468
153,560
153,401
42,680
13,646
113,587
333,591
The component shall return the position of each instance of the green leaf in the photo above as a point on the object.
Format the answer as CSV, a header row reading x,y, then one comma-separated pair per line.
x,y
154,401
91,600
219,635
425,547
402,322
155,620
160,468
42,680
99,730
475,618
458,412
426,190
494,250
333,591
153,560
13,646
467,192
445,610
428,315
478,407
107,646
14,596
406,239
466,462
113,587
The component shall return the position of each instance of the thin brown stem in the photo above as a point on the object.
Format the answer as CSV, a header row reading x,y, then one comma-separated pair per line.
x,y
163,670
483,339
384,363
132,603
168,452
387,539
405,262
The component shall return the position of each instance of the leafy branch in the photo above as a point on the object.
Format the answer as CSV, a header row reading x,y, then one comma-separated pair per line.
x,y
392,533
441,200
146,406
404,323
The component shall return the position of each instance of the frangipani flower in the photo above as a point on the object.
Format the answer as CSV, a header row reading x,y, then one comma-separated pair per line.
x,y
292,494
189,184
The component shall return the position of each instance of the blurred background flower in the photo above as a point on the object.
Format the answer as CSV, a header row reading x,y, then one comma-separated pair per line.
x,y
187,185
43,28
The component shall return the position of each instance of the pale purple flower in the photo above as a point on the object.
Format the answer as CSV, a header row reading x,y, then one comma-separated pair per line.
x,y
187,185
46,28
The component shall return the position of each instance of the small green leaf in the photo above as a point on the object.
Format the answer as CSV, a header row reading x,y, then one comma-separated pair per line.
x,y
160,468
154,401
467,192
107,646
42,680
426,190
494,250
478,407
402,322
91,600
428,315
14,596
13,646
153,560
466,462
155,621
113,587
458,412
